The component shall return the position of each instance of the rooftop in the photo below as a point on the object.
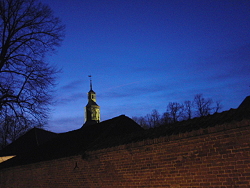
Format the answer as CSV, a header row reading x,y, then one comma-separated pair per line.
x,y
40,145
30,147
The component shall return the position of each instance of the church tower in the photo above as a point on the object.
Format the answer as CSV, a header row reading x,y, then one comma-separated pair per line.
x,y
92,110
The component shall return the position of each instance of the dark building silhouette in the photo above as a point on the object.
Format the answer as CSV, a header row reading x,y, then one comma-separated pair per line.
x,y
209,151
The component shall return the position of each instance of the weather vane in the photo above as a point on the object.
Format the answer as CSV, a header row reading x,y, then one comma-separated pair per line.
x,y
90,81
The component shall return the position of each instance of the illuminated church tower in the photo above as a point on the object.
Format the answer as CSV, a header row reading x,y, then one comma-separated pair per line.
x,y
92,110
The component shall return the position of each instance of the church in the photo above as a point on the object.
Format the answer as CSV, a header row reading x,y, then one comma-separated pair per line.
x,y
58,145
209,151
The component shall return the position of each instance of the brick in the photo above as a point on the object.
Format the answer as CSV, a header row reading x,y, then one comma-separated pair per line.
x,y
218,159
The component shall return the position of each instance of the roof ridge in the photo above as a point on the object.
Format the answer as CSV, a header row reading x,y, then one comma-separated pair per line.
x,y
245,104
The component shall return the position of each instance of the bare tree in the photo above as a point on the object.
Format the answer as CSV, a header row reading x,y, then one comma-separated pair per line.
x,y
202,105
175,111
150,120
155,118
166,119
141,121
28,31
188,109
4,134
178,112
218,106
11,128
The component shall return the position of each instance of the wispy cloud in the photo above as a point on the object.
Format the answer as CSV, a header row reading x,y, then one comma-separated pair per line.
x,y
70,92
69,98
122,85
137,90
73,85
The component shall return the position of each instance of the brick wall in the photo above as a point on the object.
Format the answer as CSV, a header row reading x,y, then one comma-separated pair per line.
x,y
213,157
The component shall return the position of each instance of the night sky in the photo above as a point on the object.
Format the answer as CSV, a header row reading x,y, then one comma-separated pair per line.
x,y
143,54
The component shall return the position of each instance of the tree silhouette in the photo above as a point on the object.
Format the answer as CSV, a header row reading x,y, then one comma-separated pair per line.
x,y
28,31
188,109
175,112
202,105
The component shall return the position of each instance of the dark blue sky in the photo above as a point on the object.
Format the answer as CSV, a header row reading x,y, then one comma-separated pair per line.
x,y
143,54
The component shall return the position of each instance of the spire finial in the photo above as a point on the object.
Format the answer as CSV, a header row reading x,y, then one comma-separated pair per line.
x,y
90,82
